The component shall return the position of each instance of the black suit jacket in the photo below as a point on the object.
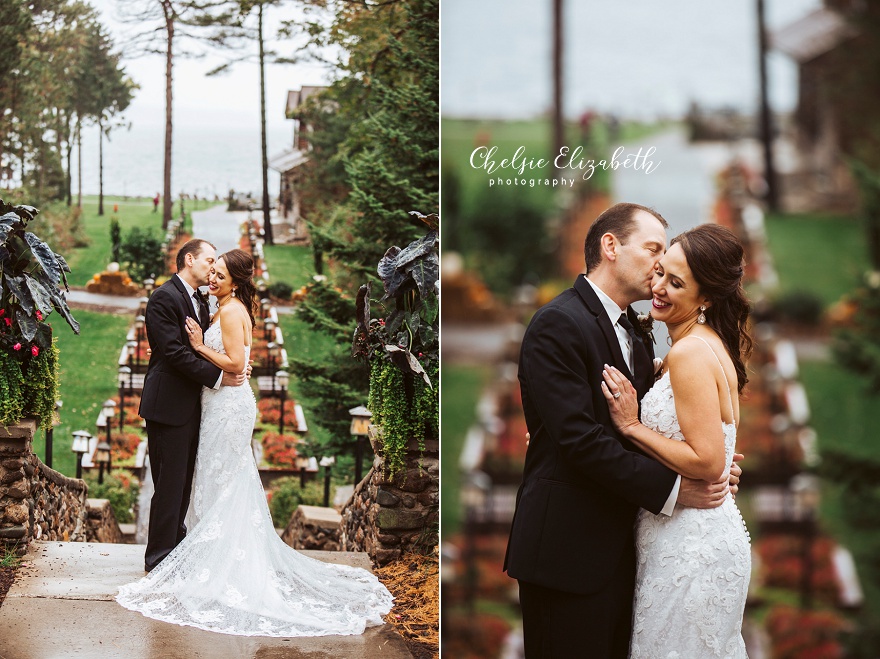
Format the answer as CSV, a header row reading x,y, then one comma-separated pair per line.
x,y
582,483
176,373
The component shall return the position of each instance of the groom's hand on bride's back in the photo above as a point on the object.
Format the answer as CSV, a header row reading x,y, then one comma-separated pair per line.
x,y
700,494
237,379
233,379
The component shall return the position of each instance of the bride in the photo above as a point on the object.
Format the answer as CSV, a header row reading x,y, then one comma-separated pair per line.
x,y
232,573
693,567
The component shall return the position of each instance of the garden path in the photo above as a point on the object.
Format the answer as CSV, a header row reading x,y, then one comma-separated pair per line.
x,y
61,604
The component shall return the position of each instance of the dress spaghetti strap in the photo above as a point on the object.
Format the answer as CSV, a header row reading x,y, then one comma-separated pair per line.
x,y
723,373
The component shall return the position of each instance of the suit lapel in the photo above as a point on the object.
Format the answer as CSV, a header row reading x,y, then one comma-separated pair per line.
x,y
594,304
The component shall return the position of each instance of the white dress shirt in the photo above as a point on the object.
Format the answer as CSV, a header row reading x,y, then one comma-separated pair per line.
x,y
625,340
195,305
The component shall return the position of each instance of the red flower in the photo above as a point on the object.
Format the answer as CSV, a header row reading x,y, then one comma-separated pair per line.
x,y
2,311
17,346
34,349
8,322
39,315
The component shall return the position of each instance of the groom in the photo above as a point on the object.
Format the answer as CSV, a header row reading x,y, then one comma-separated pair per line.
x,y
571,543
171,400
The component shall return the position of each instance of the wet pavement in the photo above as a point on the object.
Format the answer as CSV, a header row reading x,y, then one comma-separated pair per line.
x,y
61,605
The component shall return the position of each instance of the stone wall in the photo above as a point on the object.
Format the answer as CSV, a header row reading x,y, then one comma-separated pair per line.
x,y
102,525
386,518
36,502
313,527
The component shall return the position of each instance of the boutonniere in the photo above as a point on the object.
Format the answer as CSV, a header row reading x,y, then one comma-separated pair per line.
x,y
646,326
202,297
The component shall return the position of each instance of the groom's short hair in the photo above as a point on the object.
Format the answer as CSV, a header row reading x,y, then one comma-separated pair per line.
x,y
193,247
618,220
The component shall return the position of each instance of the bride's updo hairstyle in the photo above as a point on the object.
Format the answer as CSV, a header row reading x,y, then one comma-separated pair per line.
x,y
715,256
241,268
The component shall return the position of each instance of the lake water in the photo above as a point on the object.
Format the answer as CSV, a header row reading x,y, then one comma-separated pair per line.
x,y
207,160
639,58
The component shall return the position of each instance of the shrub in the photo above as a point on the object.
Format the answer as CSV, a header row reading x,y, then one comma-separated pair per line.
x,y
120,489
280,450
802,307
141,252
280,290
286,495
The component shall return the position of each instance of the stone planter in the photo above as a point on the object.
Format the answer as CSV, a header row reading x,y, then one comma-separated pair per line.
x,y
386,517
36,502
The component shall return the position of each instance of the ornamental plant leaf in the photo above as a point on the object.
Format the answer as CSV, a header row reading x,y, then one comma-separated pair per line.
x,y
27,324
60,305
20,290
45,256
41,296
411,362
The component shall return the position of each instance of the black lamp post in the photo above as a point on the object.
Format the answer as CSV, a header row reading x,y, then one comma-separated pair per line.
x,y
327,462
806,492
80,447
360,428
124,379
302,462
273,351
283,379
50,431
139,323
149,285
109,413
102,457
269,326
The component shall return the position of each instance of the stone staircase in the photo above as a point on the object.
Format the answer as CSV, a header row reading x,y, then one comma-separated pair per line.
x,y
61,605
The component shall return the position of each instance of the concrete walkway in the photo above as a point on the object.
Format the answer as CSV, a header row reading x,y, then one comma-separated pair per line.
x,y
218,226
61,605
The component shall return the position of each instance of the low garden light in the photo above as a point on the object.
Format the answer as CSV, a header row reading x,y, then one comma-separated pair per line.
x,y
264,306
124,379
80,447
327,462
274,353
139,324
149,285
109,413
283,380
360,428
807,496
269,326
302,463
102,457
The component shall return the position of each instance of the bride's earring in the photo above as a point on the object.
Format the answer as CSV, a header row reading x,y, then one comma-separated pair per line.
x,y
701,319
233,293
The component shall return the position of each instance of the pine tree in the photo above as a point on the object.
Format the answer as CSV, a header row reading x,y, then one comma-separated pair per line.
x,y
375,158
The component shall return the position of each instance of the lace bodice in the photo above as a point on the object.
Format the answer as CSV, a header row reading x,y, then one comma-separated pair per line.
x,y
232,573
693,568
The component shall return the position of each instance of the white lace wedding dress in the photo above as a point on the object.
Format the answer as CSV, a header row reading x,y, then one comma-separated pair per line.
x,y
232,573
693,568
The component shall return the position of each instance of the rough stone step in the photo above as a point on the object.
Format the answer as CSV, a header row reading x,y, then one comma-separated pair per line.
x,y
61,604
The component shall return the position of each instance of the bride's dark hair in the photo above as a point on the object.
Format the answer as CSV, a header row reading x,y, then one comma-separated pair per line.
x,y
715,256
240,265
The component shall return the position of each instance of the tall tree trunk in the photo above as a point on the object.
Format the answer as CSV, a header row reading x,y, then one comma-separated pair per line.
x,y
267,223
169,60
68,178
100,166
79,164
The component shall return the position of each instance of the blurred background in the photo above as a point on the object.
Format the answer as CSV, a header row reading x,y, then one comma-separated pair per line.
x,y
764,116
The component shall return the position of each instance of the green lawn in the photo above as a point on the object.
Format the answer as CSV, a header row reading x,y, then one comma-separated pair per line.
x,y
819,253
88,378
827,255
291,264
460,389
841,413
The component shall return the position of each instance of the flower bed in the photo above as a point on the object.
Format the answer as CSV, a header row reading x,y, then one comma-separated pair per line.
x,y
270,412
783,565
798,634
280,450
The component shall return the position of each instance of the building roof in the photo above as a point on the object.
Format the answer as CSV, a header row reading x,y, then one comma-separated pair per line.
x,y
815,34
287,160
296,97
